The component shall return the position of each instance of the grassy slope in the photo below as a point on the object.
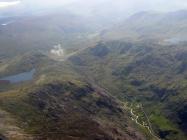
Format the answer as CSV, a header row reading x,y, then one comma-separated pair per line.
x,y
44,108
126,70
65,110
145,72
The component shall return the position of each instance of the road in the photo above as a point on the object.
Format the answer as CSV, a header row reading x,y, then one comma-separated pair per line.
x,y
136,117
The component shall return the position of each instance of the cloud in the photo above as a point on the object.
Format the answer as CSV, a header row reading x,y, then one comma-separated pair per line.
x,y
46,3
57,50
5,4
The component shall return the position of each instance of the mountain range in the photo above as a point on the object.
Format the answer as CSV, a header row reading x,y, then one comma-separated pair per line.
x,y
127,81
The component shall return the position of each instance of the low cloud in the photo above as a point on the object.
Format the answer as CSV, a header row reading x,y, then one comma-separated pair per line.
x,y
57,50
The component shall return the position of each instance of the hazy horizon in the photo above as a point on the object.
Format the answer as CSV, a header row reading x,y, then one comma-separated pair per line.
x,y
93,69
98,7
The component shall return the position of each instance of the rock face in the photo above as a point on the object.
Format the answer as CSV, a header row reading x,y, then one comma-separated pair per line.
x,y
71,111
9,129
74,113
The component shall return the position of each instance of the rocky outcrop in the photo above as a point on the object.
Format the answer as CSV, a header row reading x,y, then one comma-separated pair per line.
x,y
72,111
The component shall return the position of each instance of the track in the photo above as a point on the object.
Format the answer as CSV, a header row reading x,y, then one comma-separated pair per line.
x,y
136,117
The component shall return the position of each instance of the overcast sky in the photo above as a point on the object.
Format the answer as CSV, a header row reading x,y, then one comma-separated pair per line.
x,y
126,6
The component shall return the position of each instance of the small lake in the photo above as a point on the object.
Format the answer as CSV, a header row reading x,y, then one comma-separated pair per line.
x,y
21,77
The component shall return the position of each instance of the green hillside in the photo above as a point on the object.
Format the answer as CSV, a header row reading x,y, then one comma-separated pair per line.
x,y
151,74
126,82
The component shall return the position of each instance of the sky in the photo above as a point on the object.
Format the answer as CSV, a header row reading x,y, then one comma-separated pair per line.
x,y
88,6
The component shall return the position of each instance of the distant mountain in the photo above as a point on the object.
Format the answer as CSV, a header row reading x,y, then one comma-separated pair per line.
x,y
124,82
153,25
42,32
100,11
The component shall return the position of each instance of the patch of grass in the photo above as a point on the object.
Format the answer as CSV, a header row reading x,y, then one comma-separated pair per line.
x,y
163,123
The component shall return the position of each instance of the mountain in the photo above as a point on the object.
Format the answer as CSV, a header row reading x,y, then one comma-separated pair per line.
x,y
97,11
66,111
150,74
126,82
42,32
153,25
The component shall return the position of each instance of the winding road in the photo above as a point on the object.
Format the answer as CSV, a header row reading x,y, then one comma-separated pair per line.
x,y
136,117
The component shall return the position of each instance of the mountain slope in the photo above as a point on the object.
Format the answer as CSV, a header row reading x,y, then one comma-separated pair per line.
x,y
42,32
142,73
68,111
152,25
130,88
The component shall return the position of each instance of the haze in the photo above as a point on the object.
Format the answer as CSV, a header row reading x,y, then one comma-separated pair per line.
x,y
90,7
93,69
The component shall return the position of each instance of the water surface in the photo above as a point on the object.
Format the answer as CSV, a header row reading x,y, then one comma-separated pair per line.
x,y
21,77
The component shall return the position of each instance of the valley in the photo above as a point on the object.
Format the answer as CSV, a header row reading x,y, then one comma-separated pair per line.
x,y
67,77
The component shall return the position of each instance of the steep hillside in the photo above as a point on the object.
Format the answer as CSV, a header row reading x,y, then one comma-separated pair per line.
x,y
130,86
142,73
68,111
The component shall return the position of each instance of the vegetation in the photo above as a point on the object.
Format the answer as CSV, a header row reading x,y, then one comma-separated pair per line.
x,y
82,94
142,73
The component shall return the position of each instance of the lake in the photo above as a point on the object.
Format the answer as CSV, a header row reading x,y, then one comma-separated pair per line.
x,y
21,77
